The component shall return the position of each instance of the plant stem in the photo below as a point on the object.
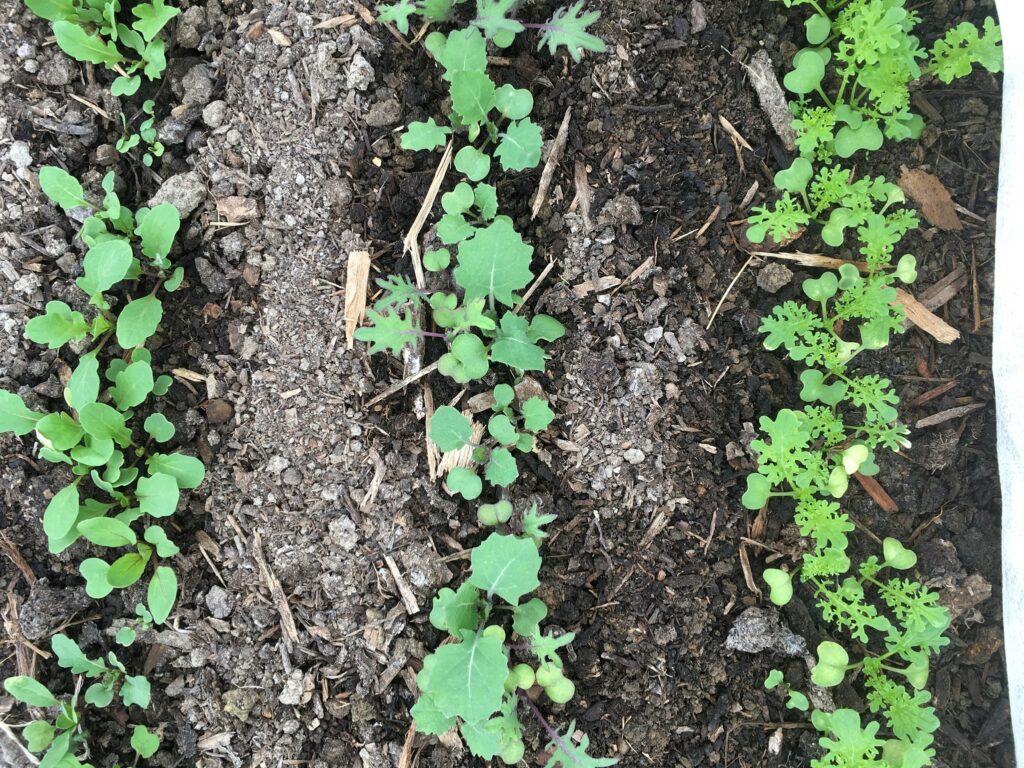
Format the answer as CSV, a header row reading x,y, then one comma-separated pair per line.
x,y
551,732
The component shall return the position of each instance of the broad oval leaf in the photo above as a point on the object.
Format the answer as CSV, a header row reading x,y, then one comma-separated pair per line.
x,y
162,592
506,566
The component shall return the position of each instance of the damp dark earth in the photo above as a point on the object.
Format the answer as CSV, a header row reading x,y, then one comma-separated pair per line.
x,y
312,551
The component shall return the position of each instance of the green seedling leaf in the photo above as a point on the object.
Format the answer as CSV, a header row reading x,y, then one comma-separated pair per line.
x,y
471,677
495,514
459,200
485,197
537,414
484,739
135,690
438,260
568,27
906,269
29,691
513,103
125,636
157,495
807,73
188,471
398,14
501,468
105,265
84,385
104,423
472,162
52,10
138,321
38,735
506,566
492,18
818,28
57,327
126,570
107,532
758,489
797,700
781,584
526,618
449,429
59,431
822,288
158,427
15,416
814,388
545,328
834,230
70,656
897,556
513,345
61,187
82,46
94,451
144,741
464,482
493,264
500,427
428,718
390,331
425,135
854,456
132,385
152,17
520,146
156,536
566,753
62,512
773,679
503,395
831,667
161,594
125,85
157,228
464,50
850,140
467,360
453,228
453,612
795,178
838,482
94,571
473,96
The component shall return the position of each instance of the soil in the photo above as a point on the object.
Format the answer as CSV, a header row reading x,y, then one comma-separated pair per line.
x,y
290,644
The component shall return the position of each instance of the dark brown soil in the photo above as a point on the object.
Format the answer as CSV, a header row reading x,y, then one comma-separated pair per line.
x,y
644,466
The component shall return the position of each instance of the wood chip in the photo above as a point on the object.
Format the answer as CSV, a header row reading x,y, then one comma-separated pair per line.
x,y
931,194
931,394
877,493
924,319
289,633
279,38
408,598
356,279
818,260
237,208
733,133
943,290
658,524
582,192
345,20
772,97
943,416
593,286
554,156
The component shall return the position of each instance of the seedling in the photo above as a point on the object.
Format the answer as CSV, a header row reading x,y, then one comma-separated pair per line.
x,y
877,59
473,684
93,31
146,135
63,738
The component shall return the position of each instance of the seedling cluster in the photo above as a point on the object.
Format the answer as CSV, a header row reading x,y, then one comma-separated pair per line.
x,y
478,683
124,480
809,455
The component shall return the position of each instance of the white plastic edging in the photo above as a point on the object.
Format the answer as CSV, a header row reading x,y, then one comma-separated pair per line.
x,y
1008,355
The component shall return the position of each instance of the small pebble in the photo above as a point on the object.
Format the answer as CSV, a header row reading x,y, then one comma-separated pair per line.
x,y
634,455
20,155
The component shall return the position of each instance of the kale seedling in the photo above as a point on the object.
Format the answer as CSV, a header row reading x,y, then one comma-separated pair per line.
x,y
472,684
91,31
876,57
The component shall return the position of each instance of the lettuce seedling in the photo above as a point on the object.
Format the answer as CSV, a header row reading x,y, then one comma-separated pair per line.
x,y
472,684
877,58
94,31
63,739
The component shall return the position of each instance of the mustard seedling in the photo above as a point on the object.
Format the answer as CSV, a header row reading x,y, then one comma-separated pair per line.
x,y
877,58
94,31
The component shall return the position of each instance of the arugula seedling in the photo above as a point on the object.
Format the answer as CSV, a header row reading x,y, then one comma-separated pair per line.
x,y
92,31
